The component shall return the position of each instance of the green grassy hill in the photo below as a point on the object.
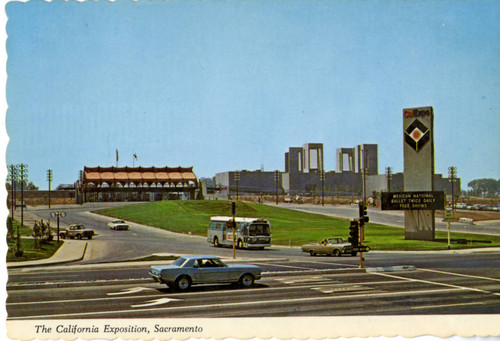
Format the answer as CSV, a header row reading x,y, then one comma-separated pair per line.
x,y
289,227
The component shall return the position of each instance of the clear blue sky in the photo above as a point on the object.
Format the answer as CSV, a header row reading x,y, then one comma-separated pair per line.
x,y
231,85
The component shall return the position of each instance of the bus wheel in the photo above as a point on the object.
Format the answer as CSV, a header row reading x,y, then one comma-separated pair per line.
x,y
216,242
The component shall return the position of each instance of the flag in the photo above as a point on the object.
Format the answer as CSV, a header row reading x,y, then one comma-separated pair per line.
x,y
117,155
135,156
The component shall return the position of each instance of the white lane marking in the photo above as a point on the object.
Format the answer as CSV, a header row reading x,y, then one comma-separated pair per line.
x,y
290,266
235,304
441,284
155,302
447,305
81,300
100,281
129,291
462,275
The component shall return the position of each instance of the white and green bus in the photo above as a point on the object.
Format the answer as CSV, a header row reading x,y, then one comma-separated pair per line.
x,y
251,233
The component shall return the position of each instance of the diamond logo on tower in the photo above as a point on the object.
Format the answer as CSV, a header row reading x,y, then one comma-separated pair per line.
x,y
417,135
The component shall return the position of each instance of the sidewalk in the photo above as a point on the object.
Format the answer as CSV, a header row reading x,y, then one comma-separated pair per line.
x,y
70,251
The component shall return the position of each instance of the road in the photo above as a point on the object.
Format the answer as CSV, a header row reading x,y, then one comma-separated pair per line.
x,y
304,286
394,218
294,283
142,241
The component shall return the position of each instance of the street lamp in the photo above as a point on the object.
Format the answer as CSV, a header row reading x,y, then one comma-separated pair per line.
x,y
58,214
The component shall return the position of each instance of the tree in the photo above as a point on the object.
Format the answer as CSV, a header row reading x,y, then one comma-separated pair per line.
x,y
29,186
491,187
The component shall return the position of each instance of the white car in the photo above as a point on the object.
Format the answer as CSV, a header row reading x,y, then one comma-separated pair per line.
x,y
118,224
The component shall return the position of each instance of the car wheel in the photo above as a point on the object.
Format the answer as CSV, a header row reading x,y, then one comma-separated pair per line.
x,y
62,235
354,253
336,253
246,281
90,237
312,253
216,242
182,283
78,236
239,245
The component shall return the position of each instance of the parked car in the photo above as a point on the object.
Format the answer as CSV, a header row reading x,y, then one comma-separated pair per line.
x,y
331,246
202,269
118,224
77,231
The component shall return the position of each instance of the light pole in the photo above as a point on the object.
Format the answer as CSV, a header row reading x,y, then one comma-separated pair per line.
x,y
49,179
58,214
452,174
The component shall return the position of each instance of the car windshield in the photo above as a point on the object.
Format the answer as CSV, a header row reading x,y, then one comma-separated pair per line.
x,y
259,230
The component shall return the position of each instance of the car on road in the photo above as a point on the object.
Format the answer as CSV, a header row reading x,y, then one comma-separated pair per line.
x,y
331,246
204,269
118,224
77,231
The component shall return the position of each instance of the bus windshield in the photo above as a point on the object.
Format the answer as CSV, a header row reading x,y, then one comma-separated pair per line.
x,y
259,230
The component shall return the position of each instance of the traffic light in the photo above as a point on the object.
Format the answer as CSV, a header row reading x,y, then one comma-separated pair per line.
x,y
229,224
363,214
353,233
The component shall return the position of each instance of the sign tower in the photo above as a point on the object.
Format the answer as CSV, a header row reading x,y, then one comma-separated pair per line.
x,y
418,146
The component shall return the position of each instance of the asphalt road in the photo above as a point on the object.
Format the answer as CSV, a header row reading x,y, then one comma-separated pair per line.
x,y
394,218
314,286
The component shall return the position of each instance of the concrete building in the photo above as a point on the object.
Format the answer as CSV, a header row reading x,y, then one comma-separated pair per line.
x,y
305,175
364,156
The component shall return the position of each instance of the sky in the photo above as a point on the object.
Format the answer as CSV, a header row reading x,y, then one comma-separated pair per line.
x,y
231,85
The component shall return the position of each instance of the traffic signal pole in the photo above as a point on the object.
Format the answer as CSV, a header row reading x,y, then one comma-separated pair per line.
x,y
233,211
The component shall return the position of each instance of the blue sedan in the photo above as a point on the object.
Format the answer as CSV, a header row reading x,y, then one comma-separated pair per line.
x,y
202,269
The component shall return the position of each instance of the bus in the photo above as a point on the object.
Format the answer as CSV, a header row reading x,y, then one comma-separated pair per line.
x,y
251,233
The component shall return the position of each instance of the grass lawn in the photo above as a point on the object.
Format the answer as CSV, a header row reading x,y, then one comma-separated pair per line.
x,y
289,227
28,246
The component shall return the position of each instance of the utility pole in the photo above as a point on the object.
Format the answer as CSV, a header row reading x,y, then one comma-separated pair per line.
x,y
24,176
452,174
13,177
322,187
388,177
49,179
276,178
237,179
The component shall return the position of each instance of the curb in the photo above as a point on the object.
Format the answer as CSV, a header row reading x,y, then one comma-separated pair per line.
x,y
47,261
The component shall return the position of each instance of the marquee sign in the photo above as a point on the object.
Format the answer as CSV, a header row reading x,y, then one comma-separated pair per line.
x,y
413,201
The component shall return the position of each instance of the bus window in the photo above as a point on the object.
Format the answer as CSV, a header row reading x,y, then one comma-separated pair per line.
x,y
259,230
